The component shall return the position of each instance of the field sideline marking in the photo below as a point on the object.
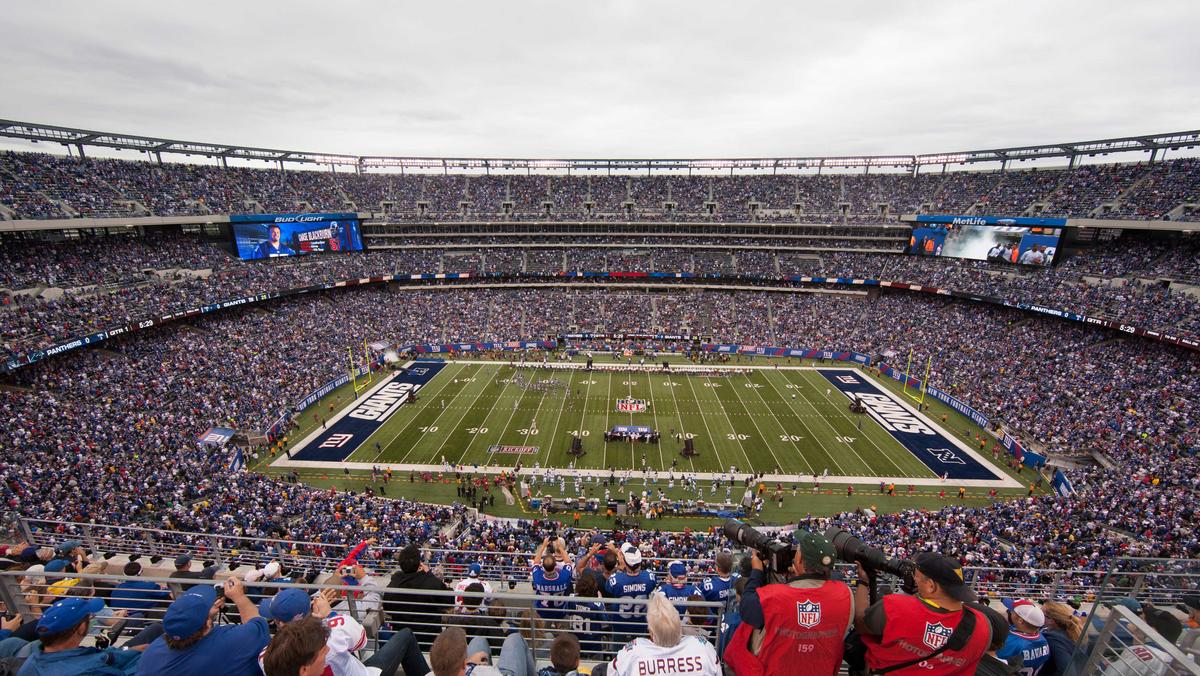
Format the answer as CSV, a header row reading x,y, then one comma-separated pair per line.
x,y
439,417
1004,482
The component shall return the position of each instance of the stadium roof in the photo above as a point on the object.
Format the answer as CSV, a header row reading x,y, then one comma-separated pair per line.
x,y
79,138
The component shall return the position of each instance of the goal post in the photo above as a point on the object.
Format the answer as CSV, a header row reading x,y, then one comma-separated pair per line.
x,y
364,381
924,382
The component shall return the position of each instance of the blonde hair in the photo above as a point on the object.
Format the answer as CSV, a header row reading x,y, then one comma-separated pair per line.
x,y
666,629
1064,617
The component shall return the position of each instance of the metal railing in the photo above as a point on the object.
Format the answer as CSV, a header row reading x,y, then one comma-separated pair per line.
x,y
1159,581
1127,645
603,625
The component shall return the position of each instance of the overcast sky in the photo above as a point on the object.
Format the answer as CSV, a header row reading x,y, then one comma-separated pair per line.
x,y
632,78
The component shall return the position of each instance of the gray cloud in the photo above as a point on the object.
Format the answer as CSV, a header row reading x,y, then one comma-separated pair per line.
x,y
625,78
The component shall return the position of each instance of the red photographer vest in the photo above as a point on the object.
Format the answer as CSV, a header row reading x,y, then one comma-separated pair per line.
x,y
914,629
802,626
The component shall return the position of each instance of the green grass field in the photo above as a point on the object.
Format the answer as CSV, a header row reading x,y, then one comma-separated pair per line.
x,y
787,419
751,421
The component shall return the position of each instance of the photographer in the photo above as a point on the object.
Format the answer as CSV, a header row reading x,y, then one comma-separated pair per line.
x,y
806,617
931,632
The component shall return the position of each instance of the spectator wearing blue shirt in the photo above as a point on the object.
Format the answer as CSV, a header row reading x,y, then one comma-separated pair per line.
x,y
138,596
192,645
630,582
677,589
61,630
1025,636
549,580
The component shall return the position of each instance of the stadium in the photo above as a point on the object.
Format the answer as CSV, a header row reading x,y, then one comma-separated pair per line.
x,y
319,372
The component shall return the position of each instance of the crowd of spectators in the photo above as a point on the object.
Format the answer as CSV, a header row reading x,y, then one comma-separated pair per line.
x,y
45,186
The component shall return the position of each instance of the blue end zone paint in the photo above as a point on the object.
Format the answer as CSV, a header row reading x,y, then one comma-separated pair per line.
x,y
937,452
368,414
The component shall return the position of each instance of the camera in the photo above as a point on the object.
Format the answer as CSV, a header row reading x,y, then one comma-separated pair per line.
x,y
776,556
853,550
346,571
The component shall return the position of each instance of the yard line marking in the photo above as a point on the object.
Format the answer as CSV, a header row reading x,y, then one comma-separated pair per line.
x,y
558,419
810,431
760,432
661,461
467,446
385,447
682,431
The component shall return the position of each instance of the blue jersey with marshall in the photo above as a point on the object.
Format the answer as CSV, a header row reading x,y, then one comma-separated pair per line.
x,y
557,583
630,617
1033,648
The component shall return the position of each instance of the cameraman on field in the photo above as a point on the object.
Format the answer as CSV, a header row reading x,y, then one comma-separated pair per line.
x,y
930,632
805,618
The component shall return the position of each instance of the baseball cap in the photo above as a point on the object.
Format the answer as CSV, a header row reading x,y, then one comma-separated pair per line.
x,y
1129,602
183,560
947,572
676,569
286,606
67,613
187,614
633,557
56,566
1026,610
68,546
474,570
815,548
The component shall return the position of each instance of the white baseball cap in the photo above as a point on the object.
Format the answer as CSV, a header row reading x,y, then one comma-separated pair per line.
x,y
1027,610
633,557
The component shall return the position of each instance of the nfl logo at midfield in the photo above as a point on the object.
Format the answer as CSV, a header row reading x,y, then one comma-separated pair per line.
x,y
808,614
936,635
631,405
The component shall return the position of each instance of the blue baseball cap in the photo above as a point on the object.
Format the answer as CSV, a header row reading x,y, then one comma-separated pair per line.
x,y
677,569
183,560
188,613
67,613
474,570
286,606
68,546
56,566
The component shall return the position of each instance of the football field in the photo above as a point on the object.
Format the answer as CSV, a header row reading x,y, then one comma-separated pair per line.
x,y
780,420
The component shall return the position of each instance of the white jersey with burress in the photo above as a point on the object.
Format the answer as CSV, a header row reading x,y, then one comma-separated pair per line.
x,y
641,657
346,637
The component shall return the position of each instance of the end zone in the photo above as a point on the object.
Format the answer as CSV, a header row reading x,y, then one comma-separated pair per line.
x,y
937,449
353,425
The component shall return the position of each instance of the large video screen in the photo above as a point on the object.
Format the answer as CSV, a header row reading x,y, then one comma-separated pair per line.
x,y
1012,241
274,235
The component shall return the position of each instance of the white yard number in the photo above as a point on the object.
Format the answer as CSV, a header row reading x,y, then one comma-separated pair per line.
x,y
588,382
467,380
670,383
628,382
792,387
737,437
579,433
476,430
790,437
754,385
845,440
527,431
712,384
429,428
689,435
